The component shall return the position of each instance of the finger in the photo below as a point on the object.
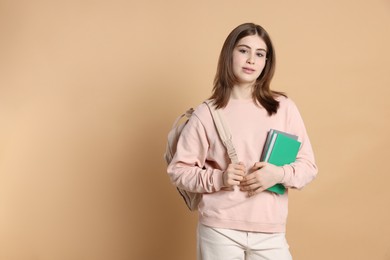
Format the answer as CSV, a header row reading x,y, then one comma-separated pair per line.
x,y
233,179
233,182
239,167
238,173
259,165
257,191
250,187
238,178
248,182
247,188
250,177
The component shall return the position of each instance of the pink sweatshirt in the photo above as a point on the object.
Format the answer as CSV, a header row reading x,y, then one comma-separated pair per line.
x,y
201,158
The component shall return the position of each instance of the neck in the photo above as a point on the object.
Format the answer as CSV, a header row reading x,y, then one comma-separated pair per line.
x,y
242,92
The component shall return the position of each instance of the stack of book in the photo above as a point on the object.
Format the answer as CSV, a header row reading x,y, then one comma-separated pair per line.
x,y
280,149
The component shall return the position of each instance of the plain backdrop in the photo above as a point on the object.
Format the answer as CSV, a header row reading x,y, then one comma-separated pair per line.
x,y
89,90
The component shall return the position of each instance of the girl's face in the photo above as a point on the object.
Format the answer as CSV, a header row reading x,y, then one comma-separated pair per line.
x,y
249,57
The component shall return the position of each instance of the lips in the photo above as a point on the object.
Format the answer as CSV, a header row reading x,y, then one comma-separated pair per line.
x,y
248,70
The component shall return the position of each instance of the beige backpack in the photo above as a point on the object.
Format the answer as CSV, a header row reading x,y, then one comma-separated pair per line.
x,y
192,199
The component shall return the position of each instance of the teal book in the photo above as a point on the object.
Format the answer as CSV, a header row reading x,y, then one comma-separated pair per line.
x,y
280,149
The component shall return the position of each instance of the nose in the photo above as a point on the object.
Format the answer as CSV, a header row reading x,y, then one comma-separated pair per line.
x,y
250,60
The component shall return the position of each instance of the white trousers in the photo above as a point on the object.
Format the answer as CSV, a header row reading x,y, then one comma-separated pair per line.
x,y
228,244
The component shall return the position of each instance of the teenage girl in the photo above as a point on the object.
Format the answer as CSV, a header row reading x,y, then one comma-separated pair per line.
x,y
238,217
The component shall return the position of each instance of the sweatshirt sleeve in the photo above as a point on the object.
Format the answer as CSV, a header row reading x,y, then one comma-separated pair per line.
x,y
188,170
303,170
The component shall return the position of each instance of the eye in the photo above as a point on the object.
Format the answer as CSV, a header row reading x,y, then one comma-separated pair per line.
x,y
243,51
260,54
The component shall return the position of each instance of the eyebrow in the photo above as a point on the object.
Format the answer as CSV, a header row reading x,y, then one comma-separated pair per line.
x,y
244,45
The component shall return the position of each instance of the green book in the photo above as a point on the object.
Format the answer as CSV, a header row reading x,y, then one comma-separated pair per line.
x,y
280,149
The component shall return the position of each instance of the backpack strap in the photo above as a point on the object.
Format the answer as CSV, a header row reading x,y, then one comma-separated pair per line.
x,y
223,131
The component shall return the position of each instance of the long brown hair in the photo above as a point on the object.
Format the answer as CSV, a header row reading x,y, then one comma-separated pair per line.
x,y
224,79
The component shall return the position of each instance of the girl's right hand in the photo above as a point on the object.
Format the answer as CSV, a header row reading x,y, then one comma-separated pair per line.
x,y
233,175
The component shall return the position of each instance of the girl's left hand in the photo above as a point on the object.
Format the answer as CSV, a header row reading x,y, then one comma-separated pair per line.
x,y
261,177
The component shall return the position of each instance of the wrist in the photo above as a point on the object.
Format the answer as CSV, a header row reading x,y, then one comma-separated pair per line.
x,y
281,174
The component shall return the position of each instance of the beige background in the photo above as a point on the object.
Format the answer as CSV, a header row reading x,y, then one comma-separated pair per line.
x,y
89,90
